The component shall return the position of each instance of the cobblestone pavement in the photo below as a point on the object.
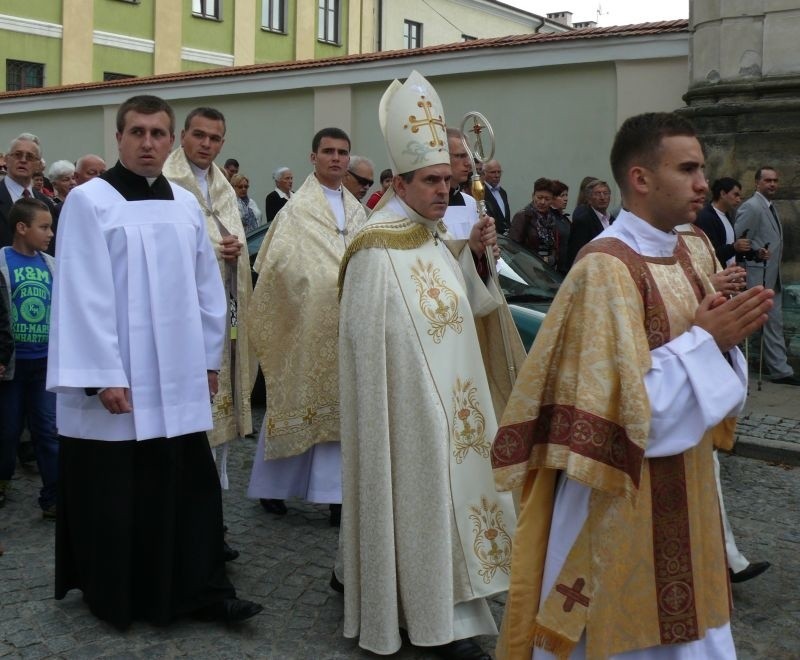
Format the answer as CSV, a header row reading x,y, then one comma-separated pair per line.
x,y
286,564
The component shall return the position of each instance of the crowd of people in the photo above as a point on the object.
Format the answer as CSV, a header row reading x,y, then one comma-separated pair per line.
x,y
398,391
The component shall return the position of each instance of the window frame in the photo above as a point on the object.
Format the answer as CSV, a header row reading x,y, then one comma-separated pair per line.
x,y
202,11
268,9
410,26
22,75
329,9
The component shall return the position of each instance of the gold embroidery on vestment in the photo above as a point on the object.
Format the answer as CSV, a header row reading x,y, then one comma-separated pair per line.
x,y
492,543
469,423
437,302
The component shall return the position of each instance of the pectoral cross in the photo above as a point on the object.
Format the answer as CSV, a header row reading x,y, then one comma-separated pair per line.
x,y
430,120
573,594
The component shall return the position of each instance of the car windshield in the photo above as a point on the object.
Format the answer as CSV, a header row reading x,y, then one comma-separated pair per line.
x,y
523,276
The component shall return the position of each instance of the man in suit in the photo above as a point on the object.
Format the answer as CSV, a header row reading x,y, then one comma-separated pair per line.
x,y
715,220
589,221
22,159
758,217
496,198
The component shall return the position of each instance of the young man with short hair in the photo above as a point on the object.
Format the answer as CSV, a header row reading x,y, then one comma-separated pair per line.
x,y
632,381
139,316
294,330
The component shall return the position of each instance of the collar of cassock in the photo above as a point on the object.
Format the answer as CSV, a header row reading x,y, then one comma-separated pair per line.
x,y
435,227
135,188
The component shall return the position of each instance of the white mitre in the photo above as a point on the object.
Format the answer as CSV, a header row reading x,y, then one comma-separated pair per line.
x,y
413,126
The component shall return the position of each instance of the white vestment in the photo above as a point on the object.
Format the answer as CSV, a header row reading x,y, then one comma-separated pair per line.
x,y
118,318
690,375
460,219
425,537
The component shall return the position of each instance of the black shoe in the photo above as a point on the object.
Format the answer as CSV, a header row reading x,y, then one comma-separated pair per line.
x,y
461,649
228,553
336,515
787,380
229,610
749,572
278,507
335,584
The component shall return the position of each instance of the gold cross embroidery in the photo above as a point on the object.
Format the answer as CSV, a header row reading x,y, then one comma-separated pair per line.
x,y
308,418
224,406
430,120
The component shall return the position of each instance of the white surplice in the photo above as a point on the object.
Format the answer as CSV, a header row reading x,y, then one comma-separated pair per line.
x,y
691,389
119,319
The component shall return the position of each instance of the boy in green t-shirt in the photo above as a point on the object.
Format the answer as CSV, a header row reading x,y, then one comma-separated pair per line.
x,y
24,399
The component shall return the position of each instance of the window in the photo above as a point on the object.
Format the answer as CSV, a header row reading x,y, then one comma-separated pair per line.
x,y
273,15
412,34
110,75
206,8
328,23
23,75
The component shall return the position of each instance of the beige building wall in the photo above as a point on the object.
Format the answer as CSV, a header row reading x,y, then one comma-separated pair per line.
x,y
462,18
247,19
306,37
168,36
76,44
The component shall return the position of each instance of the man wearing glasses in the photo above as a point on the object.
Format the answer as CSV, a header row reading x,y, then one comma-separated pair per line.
x,y
21,160
360,177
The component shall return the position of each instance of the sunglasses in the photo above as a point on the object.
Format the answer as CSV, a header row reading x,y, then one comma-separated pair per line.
x,y
361,180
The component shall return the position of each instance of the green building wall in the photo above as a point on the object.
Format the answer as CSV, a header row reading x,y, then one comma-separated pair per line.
x,y
330,50
31,48
40,10
119,60
130,19
208,34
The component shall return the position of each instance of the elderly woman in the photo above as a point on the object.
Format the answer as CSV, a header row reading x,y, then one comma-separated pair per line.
x,y
62,176
275,201
248,209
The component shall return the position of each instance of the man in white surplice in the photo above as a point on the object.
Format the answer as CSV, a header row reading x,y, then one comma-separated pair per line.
x,y
425,538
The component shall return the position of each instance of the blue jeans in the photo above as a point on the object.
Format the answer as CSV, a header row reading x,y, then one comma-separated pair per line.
x,y
25,399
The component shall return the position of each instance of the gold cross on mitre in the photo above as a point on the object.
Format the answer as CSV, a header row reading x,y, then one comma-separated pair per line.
x,y
430,120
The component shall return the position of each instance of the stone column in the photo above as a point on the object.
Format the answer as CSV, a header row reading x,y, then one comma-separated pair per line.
x,y
744,100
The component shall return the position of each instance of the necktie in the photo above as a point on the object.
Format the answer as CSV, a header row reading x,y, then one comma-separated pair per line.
x,y
26,193
775,216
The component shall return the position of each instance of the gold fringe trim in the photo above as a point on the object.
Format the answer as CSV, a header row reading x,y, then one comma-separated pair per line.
x,y
550,641
398,235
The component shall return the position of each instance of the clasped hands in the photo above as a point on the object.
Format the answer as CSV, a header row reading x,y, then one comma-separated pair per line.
x,y
730,320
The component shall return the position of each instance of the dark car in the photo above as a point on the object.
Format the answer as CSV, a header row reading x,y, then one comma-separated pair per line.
x,y
529,286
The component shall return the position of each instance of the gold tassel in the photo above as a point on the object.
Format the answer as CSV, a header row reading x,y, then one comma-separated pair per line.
x,y
398,235
550,641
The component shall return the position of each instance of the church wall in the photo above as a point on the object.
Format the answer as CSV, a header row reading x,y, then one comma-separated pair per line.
x,y
207,34
40,11
130,19
119,60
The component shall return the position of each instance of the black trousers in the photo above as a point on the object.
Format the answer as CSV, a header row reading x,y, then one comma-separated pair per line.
x,y
139,527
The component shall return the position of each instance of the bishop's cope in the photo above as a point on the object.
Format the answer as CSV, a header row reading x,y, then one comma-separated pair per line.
x,y
425,538
634,378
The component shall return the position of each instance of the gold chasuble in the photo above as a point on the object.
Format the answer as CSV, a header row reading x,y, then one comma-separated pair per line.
x,y
648,566
294,319
230,408
423,527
